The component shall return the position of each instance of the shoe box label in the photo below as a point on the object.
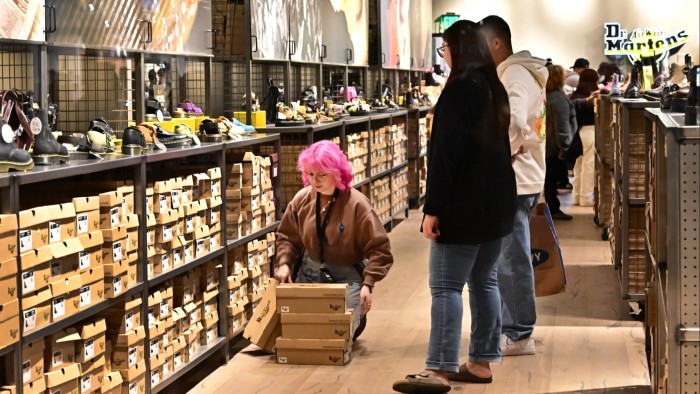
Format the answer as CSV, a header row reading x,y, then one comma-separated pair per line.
x,y
132,358
25,240
151,316
117,251
29,319
177,257
188,254
163,201
89,348
189,224
175,198
133,388
167,232
165,262
82,223
212,242
54,232
164,308
114,217
129,321
85,298
59,307
28,283
155,347
177,359
117,285
155,377
26,371
84,260
200,246
86,383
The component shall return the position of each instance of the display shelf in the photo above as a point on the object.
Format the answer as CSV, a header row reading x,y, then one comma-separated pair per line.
x,y
387,220
403,209
301,129
423,154
5,179
76,167
255,139
380,115
356,119
640,202
179,153
360,184
234,243
237,333
160,278
202,354
8,349
80,316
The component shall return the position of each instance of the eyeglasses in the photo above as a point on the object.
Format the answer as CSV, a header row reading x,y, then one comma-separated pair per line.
x,y
441,50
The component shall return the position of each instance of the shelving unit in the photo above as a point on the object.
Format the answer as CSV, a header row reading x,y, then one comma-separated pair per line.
x,y
603,165
629,176
417,155
673,252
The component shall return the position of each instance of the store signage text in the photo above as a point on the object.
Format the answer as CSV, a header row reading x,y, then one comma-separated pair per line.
x,y
641,43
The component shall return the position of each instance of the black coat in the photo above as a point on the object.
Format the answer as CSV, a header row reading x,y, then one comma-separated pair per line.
x,y
471,184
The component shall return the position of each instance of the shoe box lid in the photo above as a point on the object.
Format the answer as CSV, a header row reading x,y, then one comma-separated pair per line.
x,y
91,240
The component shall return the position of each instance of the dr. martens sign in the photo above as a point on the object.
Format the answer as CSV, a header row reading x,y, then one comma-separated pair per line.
x,y
641,43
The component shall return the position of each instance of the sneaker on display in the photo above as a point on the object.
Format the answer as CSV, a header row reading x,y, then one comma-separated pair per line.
x,y
522,347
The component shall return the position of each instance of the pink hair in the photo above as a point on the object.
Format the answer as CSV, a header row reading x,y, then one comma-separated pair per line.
x,y
326,157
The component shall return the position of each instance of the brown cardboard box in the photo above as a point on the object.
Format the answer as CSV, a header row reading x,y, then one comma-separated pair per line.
x,y
198,180
179,346
113,251
201,241
210,301
91,255
169,332
8,280
149,200
186,191
313,351
168,364
151,229
155,334
8,237
317,325
64,380
166,222
32,363
250,198
311,298
116,269
268,214
66,297
128,349
162,261
192,315
214,239
9,323
234,284
33,228
157,368
210,274
180,322
61,222
162,201
112,382
65,258
116,285
92,341
271,244
191,212
154,300
215,182
127,192
192,338
264,327
214,215
35,387
110,209
93,288
251,170
36,270
132,231
60,349
234,180
123,319
176,194
185,287
188,251
210,331
235,318
134,379
36,311
92,375
87,211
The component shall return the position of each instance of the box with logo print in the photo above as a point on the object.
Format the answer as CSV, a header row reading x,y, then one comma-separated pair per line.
x,y
317,325
32,363
92,290
65,259
311,297
61,222
92,375
313,351
128,349
60,349
91,255
87,214
66,297
110,209
123,318
36,310
8,237
33,228
112,383
134,379
64,380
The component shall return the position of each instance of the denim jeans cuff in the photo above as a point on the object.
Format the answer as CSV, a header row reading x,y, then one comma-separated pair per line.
x,y
441,367
486,359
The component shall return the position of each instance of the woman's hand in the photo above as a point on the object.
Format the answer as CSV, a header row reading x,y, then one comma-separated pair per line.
x,y
283,274
365,299
430,227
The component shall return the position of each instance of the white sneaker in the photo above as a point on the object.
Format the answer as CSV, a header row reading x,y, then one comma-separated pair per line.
x,y
522,347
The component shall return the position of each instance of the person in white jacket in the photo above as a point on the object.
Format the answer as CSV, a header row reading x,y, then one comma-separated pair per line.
x,y
524,78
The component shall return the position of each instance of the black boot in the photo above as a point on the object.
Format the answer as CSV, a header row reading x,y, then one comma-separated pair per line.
x,y
46,149
11,157
133,142
634,88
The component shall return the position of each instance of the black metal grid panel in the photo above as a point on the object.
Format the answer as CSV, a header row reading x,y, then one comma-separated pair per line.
x,y
302,76
86,87
356,76
16,67
167,85
228,21
404,79
290,178
374,85
260,74
195,83
334,80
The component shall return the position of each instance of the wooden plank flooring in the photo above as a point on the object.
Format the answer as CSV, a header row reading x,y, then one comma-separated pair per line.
x,y
585,338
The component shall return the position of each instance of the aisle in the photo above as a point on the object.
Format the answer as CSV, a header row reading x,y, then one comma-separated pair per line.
x,y
584,337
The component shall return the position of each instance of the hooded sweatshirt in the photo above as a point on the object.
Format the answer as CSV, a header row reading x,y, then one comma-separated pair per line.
x,y
524,78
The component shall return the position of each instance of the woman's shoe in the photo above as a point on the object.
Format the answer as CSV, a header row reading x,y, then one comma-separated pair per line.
x,y
559,215
133,142
47,150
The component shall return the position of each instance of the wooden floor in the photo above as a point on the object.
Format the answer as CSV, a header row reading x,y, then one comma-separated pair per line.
x,y
585,338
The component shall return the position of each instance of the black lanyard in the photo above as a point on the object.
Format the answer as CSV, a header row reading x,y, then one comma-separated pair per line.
x,y
321,226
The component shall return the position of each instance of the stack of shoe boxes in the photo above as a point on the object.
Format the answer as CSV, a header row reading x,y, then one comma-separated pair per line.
x,y
114,256
357,151
210,190
126,339
32,367
209,284
381,197
316,327
399,190
9,304
160,326
397,135
380,152
417,138
188,323
267,200
291,180
237,290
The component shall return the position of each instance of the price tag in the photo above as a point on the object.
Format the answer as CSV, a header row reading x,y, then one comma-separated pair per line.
x,y
213,216
164,308
59,307
28,283
29,319
165,262
89,349
84,262
175,198
27,371
129,321
189,224
163,201
167,232
86,383
54,232
155,347
25,240
117,252
117,282
85,296
57,359
132,356
114,216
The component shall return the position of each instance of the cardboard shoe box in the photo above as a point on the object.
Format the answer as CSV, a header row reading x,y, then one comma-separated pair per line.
x,y
214,215
65,260
185,287
264,327
186,190
200,185
149,200
313,351
92,341
180,355
155,335
128,349
234,179
32,363
210,301
250,198
66,297
214,175
87,214
92,375
91,255
8,280
123,319
251,170
33,228
151,229
235,318
211,328
93,288
311,298
113,248
8,237
61,222
154,301
202,241
127,192
131,222
162,200
157,363
134,379
110,209
36,311
35,387
317,325
166,222
60,349
116,278
64,380
112,383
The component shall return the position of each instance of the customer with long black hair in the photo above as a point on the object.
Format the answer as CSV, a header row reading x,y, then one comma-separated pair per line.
x,y
469,207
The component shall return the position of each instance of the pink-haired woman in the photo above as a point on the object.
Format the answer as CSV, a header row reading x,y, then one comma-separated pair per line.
x,y
335,232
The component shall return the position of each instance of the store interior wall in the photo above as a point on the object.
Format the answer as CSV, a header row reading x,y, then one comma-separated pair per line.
x,y
564,30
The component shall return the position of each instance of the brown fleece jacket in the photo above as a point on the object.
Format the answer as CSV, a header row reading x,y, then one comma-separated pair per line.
x,y
363,235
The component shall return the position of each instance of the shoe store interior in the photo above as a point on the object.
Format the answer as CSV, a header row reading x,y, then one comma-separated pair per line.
x,y
184,178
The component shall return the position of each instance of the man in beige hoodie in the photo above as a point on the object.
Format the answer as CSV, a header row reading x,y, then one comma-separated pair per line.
x,y
524,78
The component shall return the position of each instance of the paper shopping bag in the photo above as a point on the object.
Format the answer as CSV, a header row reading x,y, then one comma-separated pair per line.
x,y
547,261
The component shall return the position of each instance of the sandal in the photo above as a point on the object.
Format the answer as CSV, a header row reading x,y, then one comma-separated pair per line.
x,y
465,376
421,383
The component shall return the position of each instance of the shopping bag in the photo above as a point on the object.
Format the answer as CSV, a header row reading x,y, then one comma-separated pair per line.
x,y
547,260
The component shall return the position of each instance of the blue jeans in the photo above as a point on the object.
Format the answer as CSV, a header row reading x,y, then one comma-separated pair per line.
x,y
516,280
310,271
451,266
